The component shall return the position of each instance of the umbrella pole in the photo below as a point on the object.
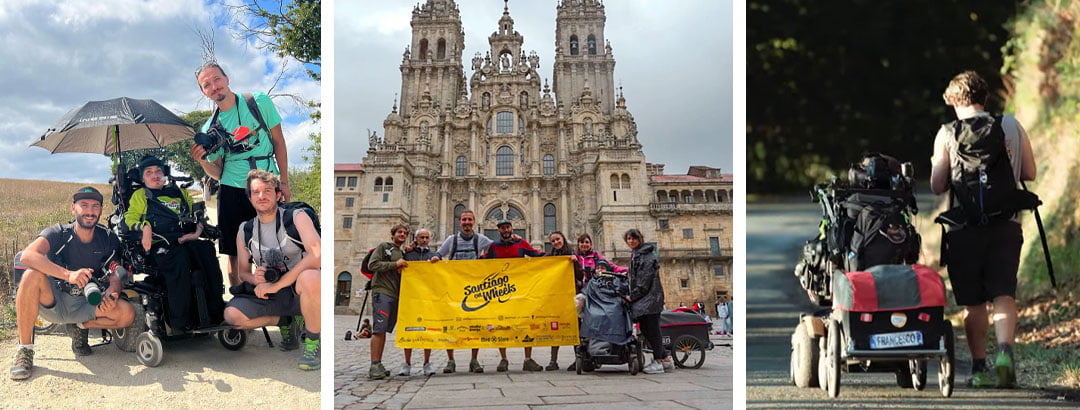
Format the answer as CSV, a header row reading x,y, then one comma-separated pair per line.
x,y
116,143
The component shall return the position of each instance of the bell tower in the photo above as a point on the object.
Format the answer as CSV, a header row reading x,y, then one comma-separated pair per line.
x,y
431,64
582,55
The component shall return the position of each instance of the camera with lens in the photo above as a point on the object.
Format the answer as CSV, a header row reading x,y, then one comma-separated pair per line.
x,y
274,262
213,139
274,273
94,290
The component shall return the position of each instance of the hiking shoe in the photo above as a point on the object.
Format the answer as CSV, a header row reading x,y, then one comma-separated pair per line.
x,y
24,361
475,367
309,359
531,366
290,334
980,380
450,367
377,371
1006,371
405,370
654,368
428,370
504,365
552,366
669,365
79,340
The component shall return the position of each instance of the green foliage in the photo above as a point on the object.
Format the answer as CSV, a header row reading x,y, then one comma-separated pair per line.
x,y
828,81
305,182
292,29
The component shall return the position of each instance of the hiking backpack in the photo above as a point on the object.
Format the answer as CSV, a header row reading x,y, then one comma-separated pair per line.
x,y
285,219
877,232
982,181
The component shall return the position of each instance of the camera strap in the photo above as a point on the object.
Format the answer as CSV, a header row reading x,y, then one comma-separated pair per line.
x,y
253,108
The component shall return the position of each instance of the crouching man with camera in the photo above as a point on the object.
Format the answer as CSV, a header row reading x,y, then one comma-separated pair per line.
x,y
283,243
68,265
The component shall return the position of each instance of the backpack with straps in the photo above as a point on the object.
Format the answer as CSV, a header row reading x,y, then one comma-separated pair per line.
x,y
981,179
365,265
285,213
475,245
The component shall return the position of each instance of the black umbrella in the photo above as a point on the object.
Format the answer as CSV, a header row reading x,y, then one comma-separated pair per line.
x,y
112,126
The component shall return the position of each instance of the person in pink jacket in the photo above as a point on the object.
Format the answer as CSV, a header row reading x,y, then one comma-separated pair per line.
x,y
588,258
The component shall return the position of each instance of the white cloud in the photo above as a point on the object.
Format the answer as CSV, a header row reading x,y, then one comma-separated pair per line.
x,y
57,57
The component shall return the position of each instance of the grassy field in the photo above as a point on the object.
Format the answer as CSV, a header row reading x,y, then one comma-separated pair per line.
x,y
28,206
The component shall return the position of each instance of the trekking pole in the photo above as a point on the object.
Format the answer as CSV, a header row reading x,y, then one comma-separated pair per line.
x,y
1042,236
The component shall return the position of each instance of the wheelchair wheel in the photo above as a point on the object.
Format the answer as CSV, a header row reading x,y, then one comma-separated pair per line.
x,y
804,358
688,352
834,361
149,350
42,326
126,339
232,339
634,364
947,364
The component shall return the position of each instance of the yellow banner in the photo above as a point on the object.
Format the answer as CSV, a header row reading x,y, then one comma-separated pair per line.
x,y
487,303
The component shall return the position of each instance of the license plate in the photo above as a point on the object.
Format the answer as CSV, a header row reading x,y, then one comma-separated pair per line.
x,y
891,340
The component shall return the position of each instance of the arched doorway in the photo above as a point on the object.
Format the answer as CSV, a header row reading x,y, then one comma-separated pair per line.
x,y
508,212
344,289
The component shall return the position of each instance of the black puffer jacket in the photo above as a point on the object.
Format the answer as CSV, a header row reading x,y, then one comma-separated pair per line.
x,y
646,292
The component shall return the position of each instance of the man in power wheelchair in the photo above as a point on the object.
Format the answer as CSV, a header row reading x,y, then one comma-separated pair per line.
x,y
160,228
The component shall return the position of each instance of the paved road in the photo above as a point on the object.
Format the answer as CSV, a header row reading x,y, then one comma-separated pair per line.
x,y
775,234
610,387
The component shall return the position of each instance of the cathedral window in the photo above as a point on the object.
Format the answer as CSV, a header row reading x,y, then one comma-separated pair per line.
x,y
504,122
673,196
591,43
459,166
423,49
549,219
389,184
349,202
687,197
614,181
341,182
352,182
504,161
513,213
549,164
440,52
710,196
661,196
378,184
346,222
495,214
573,45
489,126
625,181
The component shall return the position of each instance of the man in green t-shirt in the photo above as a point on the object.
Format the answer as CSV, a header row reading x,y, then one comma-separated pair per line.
x,y
262,146
387,261
155,210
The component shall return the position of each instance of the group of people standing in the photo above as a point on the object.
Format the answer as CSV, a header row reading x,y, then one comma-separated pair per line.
x,y
646,298
254,182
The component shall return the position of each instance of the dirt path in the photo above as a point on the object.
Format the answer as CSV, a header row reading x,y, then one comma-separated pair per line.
x,y
196,373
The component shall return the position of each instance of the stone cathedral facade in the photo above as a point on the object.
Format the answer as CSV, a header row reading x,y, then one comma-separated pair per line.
x,y
548,153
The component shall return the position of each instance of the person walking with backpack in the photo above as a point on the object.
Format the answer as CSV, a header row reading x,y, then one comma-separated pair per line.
x,y
387,261
464,245
252,127
284,244
978,159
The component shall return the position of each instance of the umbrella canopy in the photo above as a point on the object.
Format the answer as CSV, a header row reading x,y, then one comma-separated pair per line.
x,y
141,124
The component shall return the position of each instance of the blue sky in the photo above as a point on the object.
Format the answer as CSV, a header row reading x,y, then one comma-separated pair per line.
x,y
58,55
673,60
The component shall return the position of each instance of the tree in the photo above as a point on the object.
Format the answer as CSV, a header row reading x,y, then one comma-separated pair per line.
x,y
305,182
292,29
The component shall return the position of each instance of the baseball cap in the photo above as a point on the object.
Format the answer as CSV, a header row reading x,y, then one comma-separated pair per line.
x,y
503,222
87,192
150,160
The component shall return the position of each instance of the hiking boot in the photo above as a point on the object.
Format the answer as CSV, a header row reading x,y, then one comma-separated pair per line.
x,y
531,366
290,334
406,370
980,380
428,370
24,361
504,365
475,367
553,365
450,367
79,340
309,359
654,367
377,371
1006,371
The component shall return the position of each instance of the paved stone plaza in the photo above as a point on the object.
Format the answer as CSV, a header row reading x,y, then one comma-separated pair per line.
x,y
609,387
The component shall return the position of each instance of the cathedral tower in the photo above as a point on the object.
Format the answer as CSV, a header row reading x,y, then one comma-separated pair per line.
x,y
432,62
582,55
